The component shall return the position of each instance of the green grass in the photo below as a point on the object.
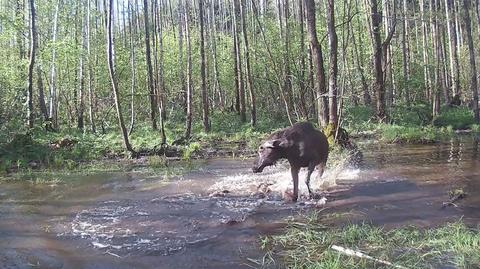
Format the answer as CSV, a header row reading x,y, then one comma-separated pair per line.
x,y
308,245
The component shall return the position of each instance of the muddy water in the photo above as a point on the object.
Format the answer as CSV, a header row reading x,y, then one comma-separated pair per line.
x,y
212,217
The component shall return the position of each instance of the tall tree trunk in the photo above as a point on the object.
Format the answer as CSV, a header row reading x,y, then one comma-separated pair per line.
x,y
237,49
133,85
91,115
160,81
471,51
253,107
206,123
52,99
81,73
437,53
406,53
379,86
317,58
189,117
19,14
151,88
425,45
387,57
33,45
367,99
217,90
452,46
379,53
236,71
287,86
41,95
181,69
113,80
333,60
301,79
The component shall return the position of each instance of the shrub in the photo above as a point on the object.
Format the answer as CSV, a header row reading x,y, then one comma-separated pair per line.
x,y
458,118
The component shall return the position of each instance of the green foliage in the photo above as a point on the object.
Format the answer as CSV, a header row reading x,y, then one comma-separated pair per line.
x,y
402,134
156,161
308,245
190,150
457,118
417,114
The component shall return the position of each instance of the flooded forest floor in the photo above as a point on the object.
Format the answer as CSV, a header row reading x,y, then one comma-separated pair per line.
x,y
217,214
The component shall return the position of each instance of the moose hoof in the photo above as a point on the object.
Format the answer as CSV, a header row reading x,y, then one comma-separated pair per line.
x,y
288,196
315,196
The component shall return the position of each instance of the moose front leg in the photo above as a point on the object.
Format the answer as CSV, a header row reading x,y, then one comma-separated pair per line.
x,y
294,170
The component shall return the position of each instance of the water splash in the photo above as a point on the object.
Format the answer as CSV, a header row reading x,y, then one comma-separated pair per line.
x,y
278,179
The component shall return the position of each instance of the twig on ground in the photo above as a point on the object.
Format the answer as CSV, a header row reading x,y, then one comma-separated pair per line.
x,y
351,252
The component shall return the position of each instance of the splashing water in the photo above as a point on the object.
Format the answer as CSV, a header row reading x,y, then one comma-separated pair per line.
x,y
278,179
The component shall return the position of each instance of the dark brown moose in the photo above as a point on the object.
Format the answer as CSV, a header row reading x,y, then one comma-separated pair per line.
x,y
302,145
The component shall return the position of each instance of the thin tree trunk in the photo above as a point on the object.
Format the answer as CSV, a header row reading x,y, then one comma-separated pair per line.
x,y
333,60
236,71
151,87
181,71
437,51
471,51
19,14
241,88
367,99
41,95
91,115
301,79
251,90
379,86
406,53
52,100
452,46
189,117
425,45
379,53
33,44
81,74
160,85
217,91
287,86
133,85
206,123
317,58
113,80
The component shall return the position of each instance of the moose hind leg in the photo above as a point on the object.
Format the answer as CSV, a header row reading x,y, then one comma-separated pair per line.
x,y
311,167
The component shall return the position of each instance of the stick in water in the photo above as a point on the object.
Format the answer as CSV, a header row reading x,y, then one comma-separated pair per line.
x,y
351,252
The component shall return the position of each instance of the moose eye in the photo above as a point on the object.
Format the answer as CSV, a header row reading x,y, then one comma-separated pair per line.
x,y
261,148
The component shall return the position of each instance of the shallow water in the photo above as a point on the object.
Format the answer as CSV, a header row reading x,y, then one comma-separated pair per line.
x,y
212,217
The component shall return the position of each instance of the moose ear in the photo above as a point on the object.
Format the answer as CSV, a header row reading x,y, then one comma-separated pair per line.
x,y
280,143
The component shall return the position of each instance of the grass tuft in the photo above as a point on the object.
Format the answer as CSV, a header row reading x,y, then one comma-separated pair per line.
x,y
308,245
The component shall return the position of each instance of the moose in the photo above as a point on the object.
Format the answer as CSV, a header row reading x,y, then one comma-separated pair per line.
x,y
302,145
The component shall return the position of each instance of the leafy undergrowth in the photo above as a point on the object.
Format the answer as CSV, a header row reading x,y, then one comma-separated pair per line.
x,y
404,134
309,245
457,118
69,149
410,124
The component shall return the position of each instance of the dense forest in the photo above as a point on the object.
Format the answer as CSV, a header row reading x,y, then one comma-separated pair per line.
x,y
177,66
